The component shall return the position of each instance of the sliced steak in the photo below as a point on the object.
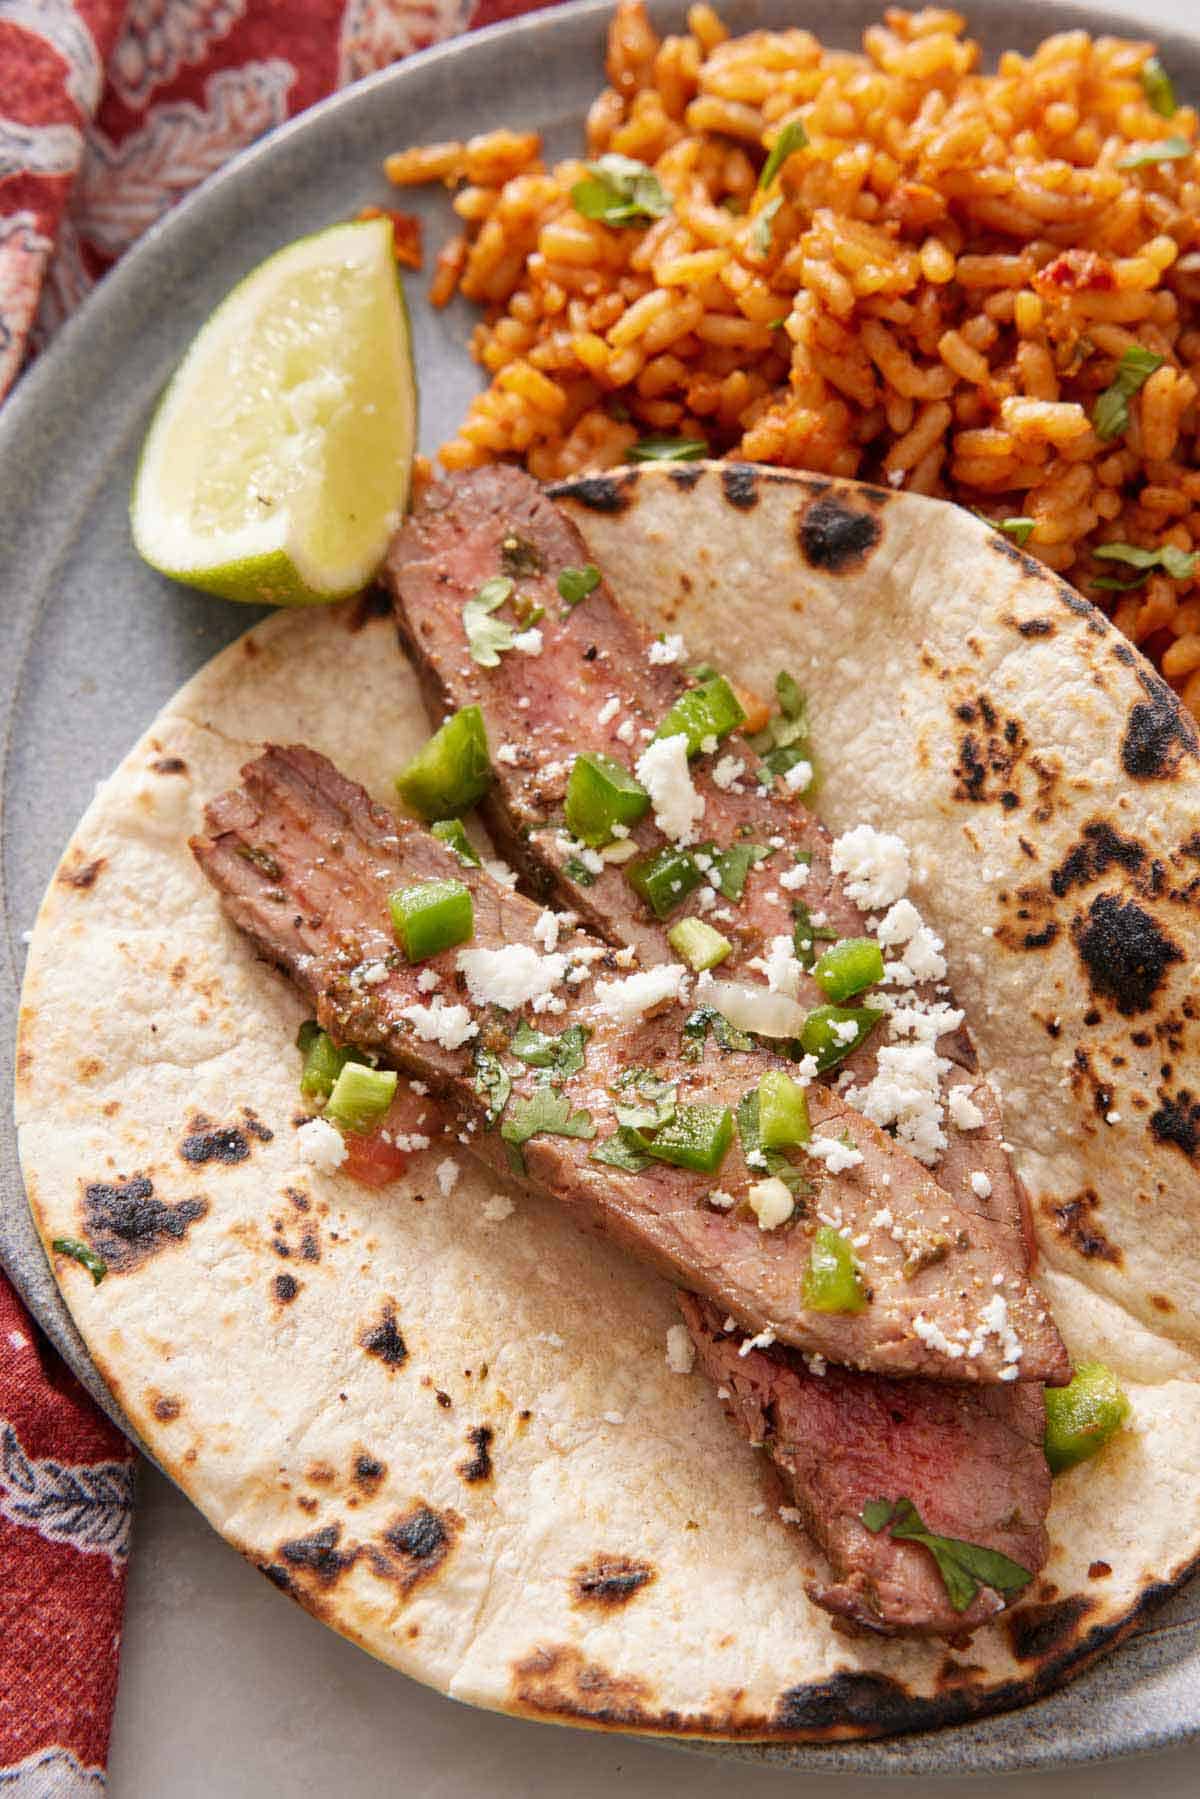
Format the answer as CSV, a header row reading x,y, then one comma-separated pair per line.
x,y
971,1462
305,862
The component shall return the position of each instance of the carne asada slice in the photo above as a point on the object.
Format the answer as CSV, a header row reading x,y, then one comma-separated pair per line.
x,y
306,865
971,1461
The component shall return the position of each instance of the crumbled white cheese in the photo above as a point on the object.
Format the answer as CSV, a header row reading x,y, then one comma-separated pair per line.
x,y
428,980
511,976
496,1209
905,1091
545,931
627,731
722,1200
875,864
963,1110
795,877
411,1141
418,1087
771,1203
628,999
844,1030
783,970
933,1334
727,772
798,777
981,1186
663,652
507,754
681,1351
321,1145
451,1026
1112,1118
447,1176
899,924
836,1155
609,710
763,1340
663,770
529,643
790,1515
994,1321
499,871
370,974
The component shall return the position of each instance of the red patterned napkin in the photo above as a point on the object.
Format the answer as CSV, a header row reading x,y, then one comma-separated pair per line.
x,y
110,111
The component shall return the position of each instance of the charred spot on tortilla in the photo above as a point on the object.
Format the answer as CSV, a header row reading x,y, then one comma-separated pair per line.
x,y
1177,1121
208,1143
1099,1570
558,1682
169,765
1035,1632
367,1472
1075,1221
1159,733
278,1576
252,1123
849,1705
1124,951
1036,627
1099,848
479,1467
285,1288
420,1534
126,1222
739,481
82,875
166,1408
686,478
609,1581
1074,602
835,537
318,1554
599,493
385,1340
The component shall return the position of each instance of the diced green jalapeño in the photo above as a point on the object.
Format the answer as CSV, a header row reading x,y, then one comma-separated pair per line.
x,y
601,794
1083,1416
431,917
710,710
450,772
697,1138
697,944
664,879
361,1097
450,832
848,967
782,1111
825,1033
831,1282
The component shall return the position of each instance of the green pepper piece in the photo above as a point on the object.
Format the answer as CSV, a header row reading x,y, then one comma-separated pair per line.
x,y
601,794
323,1060
848,967
710,710
1081,1417
818,1038
698,1138
431,917
450,832
697,944
450,772
79,1252
782,1112
831,1282
360,1097
664,879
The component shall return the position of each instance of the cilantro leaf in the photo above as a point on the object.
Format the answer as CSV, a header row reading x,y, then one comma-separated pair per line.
x,y
493,1083
1158,87
964,1567
806,935
624,1150
655,1104
96,1266
579,872
667,449
488,637
697,1025
731,866
563,1054
793,137
620,191
1110,415
764,225
575,584
1167,149
546,1113
1179,564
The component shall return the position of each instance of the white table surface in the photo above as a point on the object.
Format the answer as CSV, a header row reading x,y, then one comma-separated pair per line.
x,y
229,1691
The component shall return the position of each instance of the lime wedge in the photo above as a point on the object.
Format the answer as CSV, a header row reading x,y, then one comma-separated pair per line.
x,y
277,464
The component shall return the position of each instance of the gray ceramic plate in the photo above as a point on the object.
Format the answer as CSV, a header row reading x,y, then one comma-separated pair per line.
x,y
92,643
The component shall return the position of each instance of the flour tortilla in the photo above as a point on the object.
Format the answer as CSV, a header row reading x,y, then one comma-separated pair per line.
x,y
286,1342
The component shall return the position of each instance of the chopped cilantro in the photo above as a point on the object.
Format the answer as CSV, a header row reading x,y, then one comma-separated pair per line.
x,y
793,137
620,191
697,1026
578,871
562,1055
492,1083
667,449
964,1567
488,637
575,584
1110,415
546,1113
1166,149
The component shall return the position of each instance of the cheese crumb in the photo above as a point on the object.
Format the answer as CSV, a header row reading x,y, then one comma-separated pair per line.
x,y
511,976
609,710
793,878
447,1176
963,1110
981,1186
771,1203
663,770
836,1155
723,1201
451,1026
936,1338
784,971
627,731
875,863
763,1340
628,999
545,931
663,652
529,643
681,1351
727,772
321,1145
798,777
428,980
906,1092
496,1209
507,754
499,871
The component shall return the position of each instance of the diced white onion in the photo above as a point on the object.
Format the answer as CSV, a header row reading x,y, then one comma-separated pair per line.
x,y
754,1008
